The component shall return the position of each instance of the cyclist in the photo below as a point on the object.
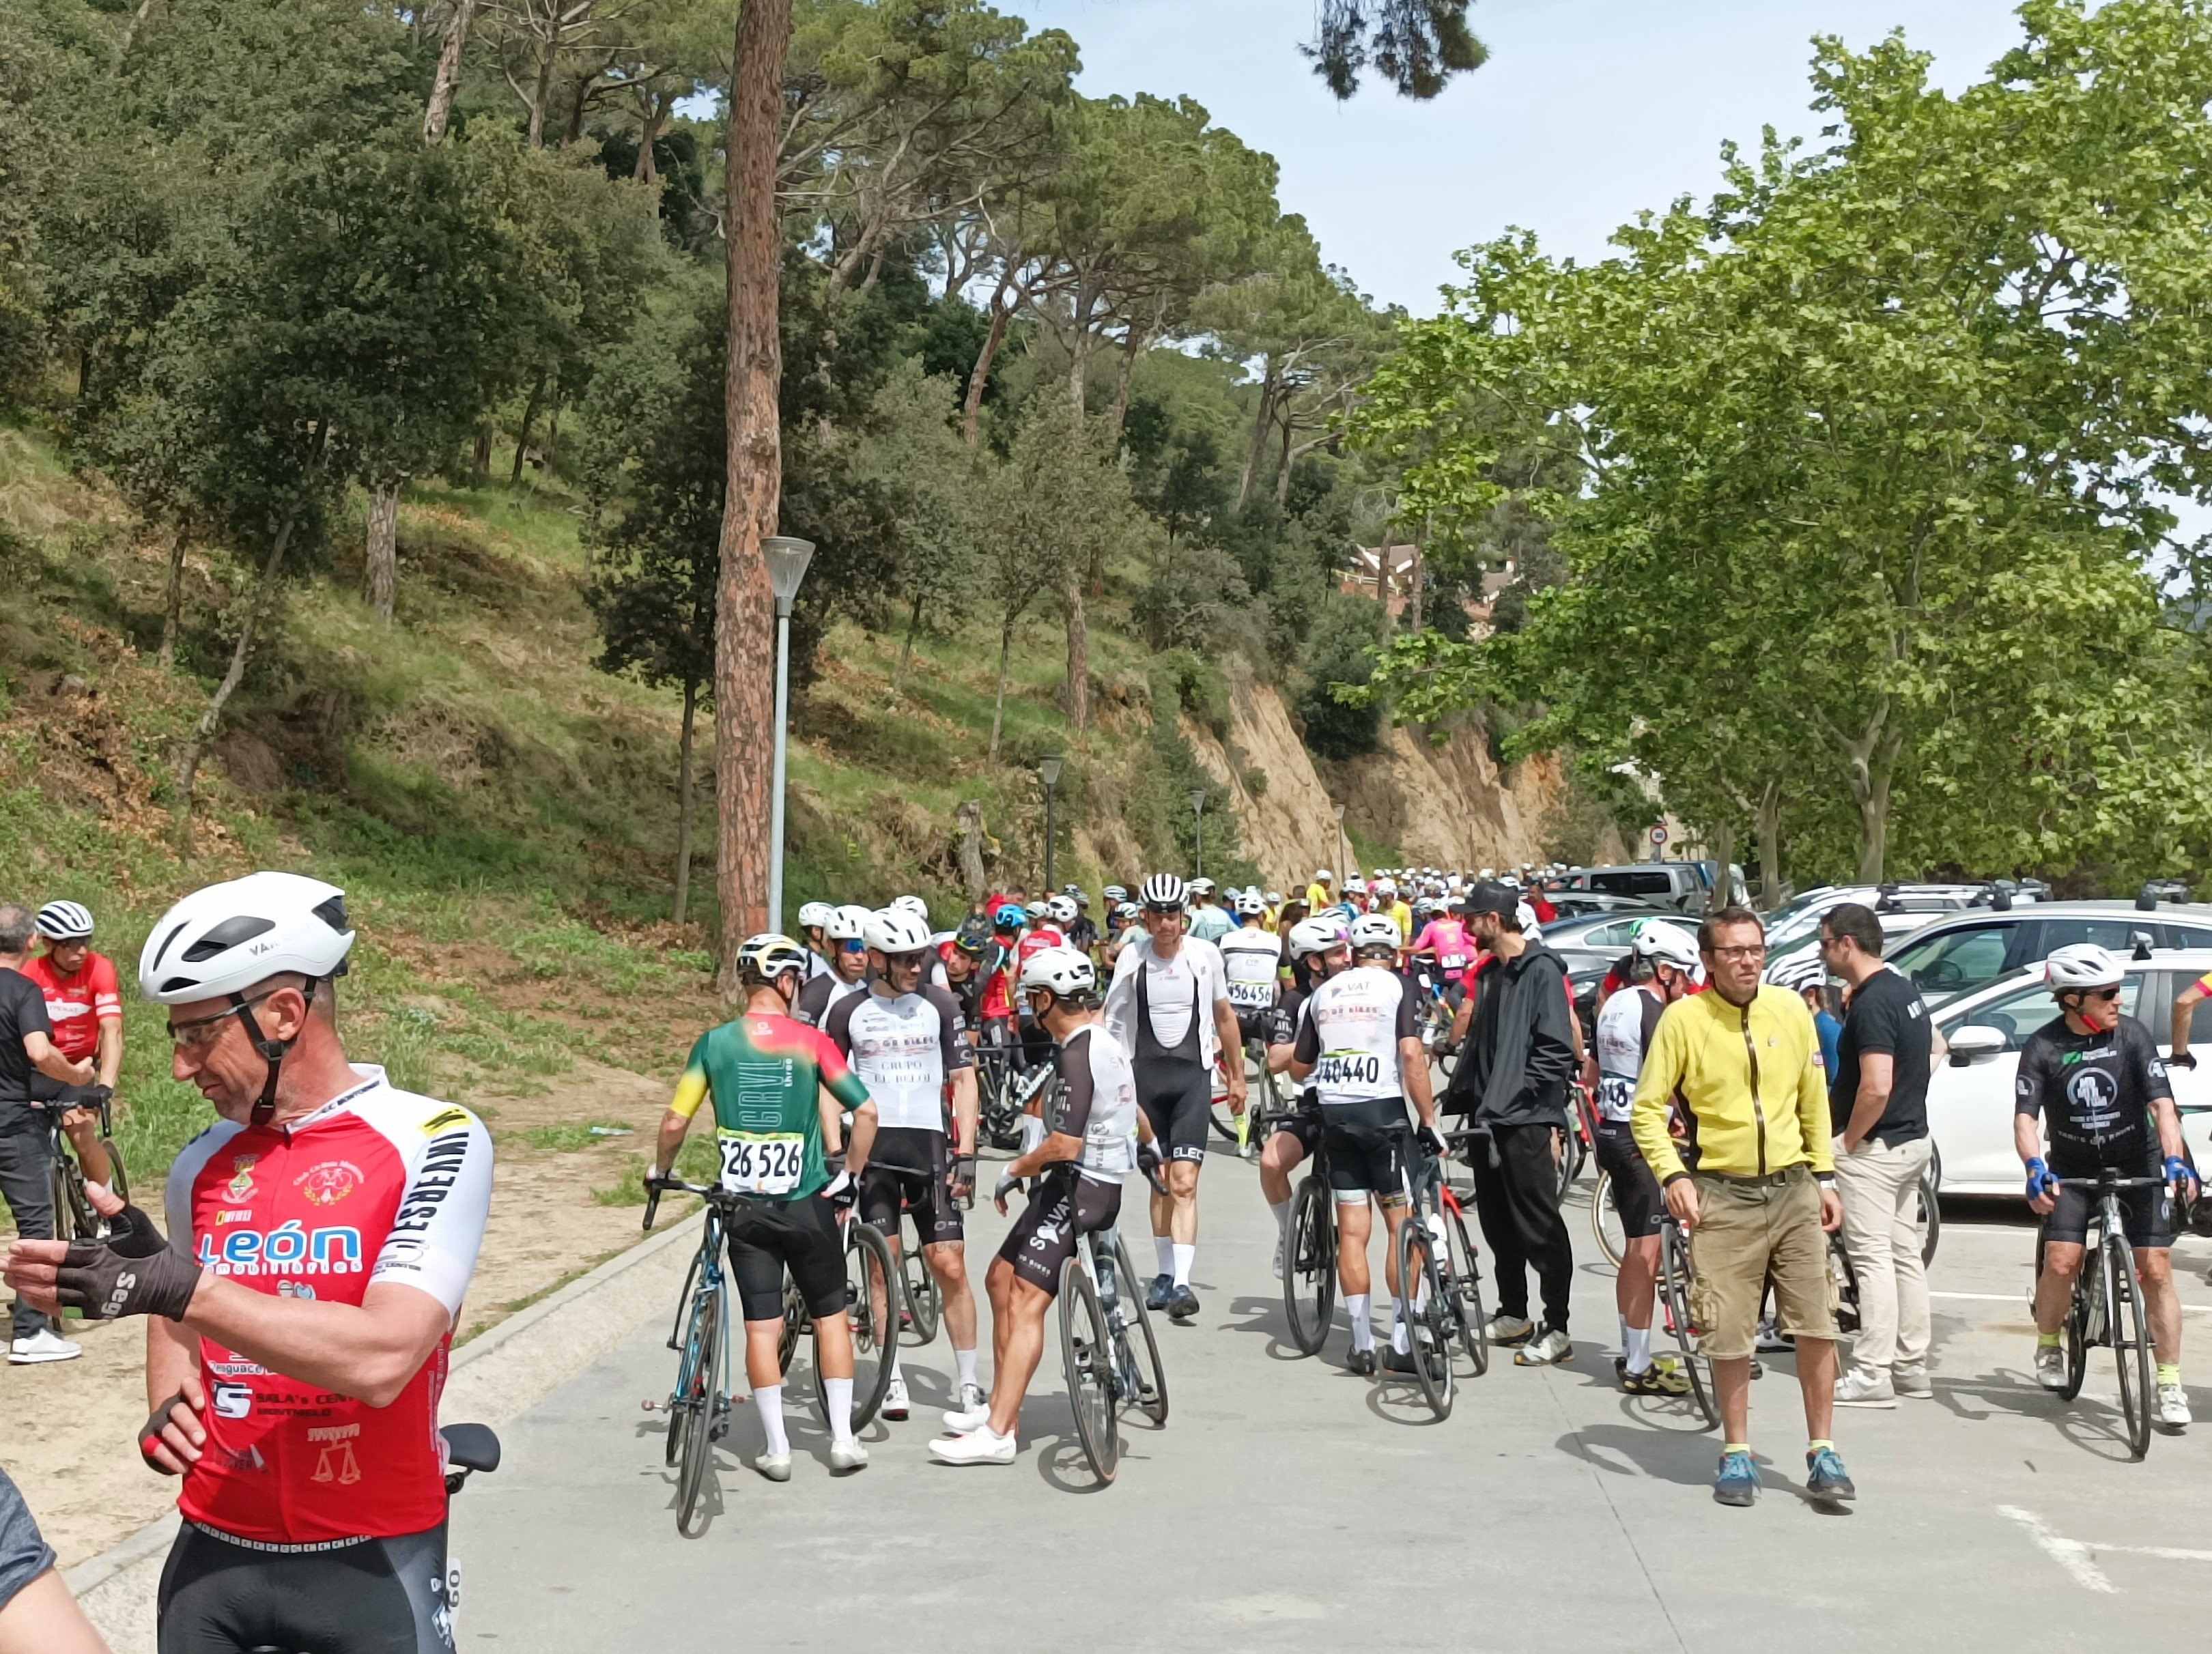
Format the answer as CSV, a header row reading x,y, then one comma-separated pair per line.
x,y
1252,960
2184,1011
2095,1077
1387,900
778,1087
322,1235
1359,1040
848,966
1443,941
27,1057
1311,942
814,919
84,1003
906,1041
1169,1008
963,971
1663,963
1806,974
1209,921
1047,926
1321,892
1082,929
999,966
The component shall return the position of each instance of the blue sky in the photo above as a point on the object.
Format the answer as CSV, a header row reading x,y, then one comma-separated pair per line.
x,y
1587,111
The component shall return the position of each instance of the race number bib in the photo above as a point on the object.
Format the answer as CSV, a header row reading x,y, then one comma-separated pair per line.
x,y
1452,961
763,1163
1348,1071
1252,996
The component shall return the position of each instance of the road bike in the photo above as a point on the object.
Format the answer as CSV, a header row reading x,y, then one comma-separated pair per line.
x,y
74,1217
1267,1101
1003,1093
1677,1283
1309,1255
2108,1305
1574,1143
1107,1353
1440,1283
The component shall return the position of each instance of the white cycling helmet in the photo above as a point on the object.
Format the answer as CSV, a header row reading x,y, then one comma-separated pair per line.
x,y
1250,906
1274,898
848,923
1323,876
1164,891
764,958
814,915
1117,894
895,930
1799,971
1201,886
1375,930
229,938
2084,964
65,921
1319,935
1127,913
1666,943
1355,886
1060,909
913,904
1061,971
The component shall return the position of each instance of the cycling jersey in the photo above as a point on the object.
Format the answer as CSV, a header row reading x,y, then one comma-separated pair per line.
x,y
1251,959
378,1186
1178,991
762,1074
1282,1027
903,1049
1096,1100
78,1003
1624,1034
815,998
1210,923
2203,984
1350,1029
2094,1093
1446,942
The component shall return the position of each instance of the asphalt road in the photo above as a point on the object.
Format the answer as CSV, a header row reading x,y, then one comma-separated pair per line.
x,y
1286,1501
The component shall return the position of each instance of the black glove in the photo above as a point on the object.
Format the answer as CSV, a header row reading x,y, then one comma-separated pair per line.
x,y
963,1170
93,1096
1427,1138
1148,1157
133,1272
843,1189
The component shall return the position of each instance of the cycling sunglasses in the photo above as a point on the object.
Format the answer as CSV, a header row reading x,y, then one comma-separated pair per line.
x,y
905,961
852,944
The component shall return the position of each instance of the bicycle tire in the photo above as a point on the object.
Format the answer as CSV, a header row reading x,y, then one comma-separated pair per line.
x,y
1930,1216
1417,1263
872,1317
117,1178
1129,1293
695,1450
2130,1337
1467,1292
925,1299
1674,1282
1605,1221
1085,1355
2075,1331
1309,1267
66,1195
795,1322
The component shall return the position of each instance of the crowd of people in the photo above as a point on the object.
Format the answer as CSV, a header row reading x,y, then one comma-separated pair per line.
x,y
320,1236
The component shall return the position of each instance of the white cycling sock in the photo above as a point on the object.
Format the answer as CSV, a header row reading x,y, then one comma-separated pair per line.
x,y
965,1361
769,1399
1164,1246
896,1376
1636,1348
838,1393
1401,1339
1282,1218
1362,1328
1181,1259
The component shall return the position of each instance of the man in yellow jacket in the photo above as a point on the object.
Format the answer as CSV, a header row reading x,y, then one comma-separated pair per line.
x,y
1752,1181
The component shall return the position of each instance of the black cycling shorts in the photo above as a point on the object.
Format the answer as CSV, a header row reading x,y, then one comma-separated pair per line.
x,y
219,1596
1177,1097
769,1237
908,1165
1254,1023
1634,1188
1065,1206
1370,1151
1303,1128
2149,1216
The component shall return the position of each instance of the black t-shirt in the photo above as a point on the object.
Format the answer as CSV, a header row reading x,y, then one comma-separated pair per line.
x,y
2094,1092
23,1010
1886,1015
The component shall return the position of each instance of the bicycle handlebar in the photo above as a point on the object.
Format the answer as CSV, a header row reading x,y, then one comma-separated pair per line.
x,y
2106,1183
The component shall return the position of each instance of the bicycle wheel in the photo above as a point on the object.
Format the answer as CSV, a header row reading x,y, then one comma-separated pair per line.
x,y
1929,1219
925,1301
1426,1333
1309,1266
1846,1280
702,1359
1605,1221
1465,1289
74,1217
1151,1396
1086,1354
1674,1287
2130,1337
2078,1332
795,1322
871,1314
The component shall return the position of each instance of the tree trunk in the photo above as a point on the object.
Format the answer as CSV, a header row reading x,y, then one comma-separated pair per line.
x,y
1002,313
1871,764
1769,817
1723,849
256,611
744,630
1282,471
172,599
383,581
484,451
529,418
999,706
1132,346
551,446
544,91
1261,422
684,800
1079,655
970,815
448,79
905,649
658,107
1418,577
130,32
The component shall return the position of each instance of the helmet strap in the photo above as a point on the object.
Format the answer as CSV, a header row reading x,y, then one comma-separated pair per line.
x,y
273,1051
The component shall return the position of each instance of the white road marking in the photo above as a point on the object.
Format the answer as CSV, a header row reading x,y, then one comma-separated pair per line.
x,y
2021,1299
2070,1554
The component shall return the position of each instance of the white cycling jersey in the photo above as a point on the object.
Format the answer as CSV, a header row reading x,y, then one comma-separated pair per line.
x,y
1251,957
1350,1029
1624,1034
903,1047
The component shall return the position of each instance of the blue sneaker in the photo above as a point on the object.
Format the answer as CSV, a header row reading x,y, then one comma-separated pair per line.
x,y
1825,1477
1158,1295
1738,1480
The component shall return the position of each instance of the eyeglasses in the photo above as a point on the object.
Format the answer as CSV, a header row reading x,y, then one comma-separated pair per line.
x,y
2104,995
904,961
1752,951
201,1033
853,945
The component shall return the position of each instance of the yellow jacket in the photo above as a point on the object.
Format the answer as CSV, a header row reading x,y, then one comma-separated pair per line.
x,y
1749,1082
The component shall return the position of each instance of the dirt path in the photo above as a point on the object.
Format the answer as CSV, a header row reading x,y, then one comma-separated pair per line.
x,y
67,1431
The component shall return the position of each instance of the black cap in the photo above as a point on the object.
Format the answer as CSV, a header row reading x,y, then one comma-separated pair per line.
x,y
1491,896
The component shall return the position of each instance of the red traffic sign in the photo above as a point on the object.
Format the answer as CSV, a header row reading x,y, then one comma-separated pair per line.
x,y
1658,835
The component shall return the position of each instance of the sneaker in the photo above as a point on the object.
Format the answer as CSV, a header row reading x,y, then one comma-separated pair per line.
x,y
1738,1480
1661,1377
1771,1338
847,1455
2172,1407
972,1399
1509,1329
976,1447
1858,1388
1278,1260
1825,1477
2050,1366
894,1400
1362,1362
1911,1381
43,1346
1548,1348
961,1419
1182,1304
1159,1292
776,1467
1398,1360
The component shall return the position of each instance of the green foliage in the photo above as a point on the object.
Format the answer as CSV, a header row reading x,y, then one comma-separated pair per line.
x,y
1346,634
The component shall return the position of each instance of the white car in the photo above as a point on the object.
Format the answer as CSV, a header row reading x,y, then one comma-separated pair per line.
x,y
1969,1094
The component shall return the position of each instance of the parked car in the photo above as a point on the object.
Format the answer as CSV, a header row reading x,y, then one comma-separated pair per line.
x,y
1583,904
1960,953
1799,918
1600,939
1684,886
1969,1094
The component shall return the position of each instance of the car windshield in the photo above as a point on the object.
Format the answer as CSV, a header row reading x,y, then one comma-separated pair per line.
x,y
1955,961
2020,1012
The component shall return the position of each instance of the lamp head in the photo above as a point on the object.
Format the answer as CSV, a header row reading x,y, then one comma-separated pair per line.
x,y
787,556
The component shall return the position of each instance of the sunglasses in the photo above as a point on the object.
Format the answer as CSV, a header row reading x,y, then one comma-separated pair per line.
x,y
904,961
201,1033
2104,995
853,945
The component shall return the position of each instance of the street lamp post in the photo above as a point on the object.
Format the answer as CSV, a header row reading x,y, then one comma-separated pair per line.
x,y
1049,772
1342,872
1198,823
787,558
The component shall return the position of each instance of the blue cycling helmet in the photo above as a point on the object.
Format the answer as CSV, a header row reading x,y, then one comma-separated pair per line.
x,y
1012,916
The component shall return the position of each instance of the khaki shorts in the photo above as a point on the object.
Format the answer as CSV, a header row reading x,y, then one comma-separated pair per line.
x,y
1748,1233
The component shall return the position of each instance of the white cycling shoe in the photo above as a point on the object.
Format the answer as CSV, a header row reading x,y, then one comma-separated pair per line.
x,y
847,1455
1278,1260
776,1467
961,1419
978,1446
895,1401
2173,1406
2050,1366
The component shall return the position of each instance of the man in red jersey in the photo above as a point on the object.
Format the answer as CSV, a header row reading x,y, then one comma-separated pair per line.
x,y
322,1234
84,1002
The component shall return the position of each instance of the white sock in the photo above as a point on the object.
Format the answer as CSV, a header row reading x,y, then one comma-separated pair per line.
x,y
1363,1328
1282,1218
1163,1246
896,1376
1400,1339
965,1361
1420,1295
1183,1256
769,1399
1636,1348
838,1393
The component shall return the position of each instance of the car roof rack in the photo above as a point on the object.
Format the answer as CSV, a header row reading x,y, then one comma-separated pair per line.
x,y
2155,890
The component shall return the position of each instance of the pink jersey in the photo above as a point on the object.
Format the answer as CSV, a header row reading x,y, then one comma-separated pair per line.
x,y
378,1186
1446,942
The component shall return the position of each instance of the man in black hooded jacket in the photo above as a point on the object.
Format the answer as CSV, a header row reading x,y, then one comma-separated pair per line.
x,y
1512,1079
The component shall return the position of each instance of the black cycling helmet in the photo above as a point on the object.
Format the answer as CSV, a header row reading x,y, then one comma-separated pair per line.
x,y
974,935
